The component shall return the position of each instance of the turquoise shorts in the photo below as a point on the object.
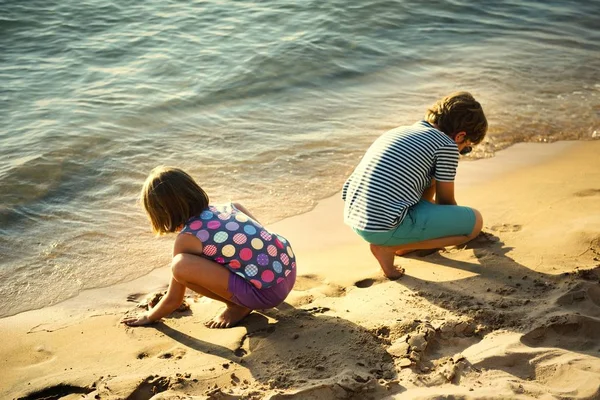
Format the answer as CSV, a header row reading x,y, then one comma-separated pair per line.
x,y
425,221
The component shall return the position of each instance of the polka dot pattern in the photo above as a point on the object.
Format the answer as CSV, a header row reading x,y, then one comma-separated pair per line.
x,y
278,243
257,243
220,237
256,283
228,250
231,238
196,225
203,235
267,275
245,254
262,259
251,270
232,226
209,250
239,238
213,224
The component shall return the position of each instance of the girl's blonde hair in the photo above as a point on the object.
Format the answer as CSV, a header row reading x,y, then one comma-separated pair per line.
x,y
459,112
171,197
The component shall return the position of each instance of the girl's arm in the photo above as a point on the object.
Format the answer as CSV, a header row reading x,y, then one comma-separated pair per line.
x,y
244,210
164,307
176,292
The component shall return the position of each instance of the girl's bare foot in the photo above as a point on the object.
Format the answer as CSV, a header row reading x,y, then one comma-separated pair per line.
x,y
230,316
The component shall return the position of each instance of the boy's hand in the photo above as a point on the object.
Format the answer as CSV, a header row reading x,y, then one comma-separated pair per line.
x,y
136,320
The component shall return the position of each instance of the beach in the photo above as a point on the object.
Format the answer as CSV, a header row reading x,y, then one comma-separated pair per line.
x,y
256,101
514,314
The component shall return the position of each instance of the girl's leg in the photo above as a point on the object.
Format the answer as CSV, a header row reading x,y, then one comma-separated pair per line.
x,y
212,280
385,254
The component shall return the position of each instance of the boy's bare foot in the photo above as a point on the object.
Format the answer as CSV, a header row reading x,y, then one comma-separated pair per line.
x,y
230,316
394,273
385,256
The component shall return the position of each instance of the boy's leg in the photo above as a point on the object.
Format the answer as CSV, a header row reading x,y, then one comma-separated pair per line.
x,y
212,280
385,254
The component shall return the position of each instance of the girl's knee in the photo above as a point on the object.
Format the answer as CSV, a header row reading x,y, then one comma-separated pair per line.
x,y
179,265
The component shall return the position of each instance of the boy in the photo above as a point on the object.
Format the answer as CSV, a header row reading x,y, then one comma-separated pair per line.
x,y
389,198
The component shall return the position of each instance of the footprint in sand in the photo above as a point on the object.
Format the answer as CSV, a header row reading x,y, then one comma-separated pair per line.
x,y
135,297
161,352
176,353
365,283
368,282
570,332
41,355
317,310
588,192
506,228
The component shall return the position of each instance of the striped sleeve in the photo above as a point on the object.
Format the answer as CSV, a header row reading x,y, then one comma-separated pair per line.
x,y
446,162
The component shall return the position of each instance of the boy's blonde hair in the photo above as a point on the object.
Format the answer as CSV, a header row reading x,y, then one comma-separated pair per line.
x,y
459,112
171,197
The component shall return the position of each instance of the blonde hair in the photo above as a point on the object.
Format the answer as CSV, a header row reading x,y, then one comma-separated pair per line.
x,y
459,112
170,197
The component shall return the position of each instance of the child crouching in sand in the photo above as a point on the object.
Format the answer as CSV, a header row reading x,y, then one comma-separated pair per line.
x,y
221,251
400,197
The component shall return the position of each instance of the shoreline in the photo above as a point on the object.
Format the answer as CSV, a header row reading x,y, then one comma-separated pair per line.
x,y
513,314
469,174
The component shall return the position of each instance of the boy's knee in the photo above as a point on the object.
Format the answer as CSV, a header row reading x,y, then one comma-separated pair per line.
x,y
478,224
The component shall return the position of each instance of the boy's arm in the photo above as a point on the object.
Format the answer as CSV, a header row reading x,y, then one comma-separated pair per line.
x,y
444,193
429,192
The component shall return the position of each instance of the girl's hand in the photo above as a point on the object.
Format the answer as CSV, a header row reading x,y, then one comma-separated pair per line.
x,y
136,320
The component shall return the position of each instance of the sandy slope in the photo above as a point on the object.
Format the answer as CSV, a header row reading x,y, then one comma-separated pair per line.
x,y
514,314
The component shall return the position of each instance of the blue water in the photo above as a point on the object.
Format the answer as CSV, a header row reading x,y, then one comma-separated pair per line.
x,y
269,103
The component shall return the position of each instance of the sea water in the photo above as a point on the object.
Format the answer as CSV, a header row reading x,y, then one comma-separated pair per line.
x,y
269,103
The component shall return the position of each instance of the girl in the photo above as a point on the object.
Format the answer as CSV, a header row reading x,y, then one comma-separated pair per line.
x,y
221,251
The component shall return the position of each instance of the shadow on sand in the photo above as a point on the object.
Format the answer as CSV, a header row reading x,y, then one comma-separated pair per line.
x,y
551,310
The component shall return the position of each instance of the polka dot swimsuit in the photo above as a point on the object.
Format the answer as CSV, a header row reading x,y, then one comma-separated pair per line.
x,y
231,238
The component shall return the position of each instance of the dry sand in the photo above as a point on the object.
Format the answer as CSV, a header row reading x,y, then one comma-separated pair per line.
x,y
513,315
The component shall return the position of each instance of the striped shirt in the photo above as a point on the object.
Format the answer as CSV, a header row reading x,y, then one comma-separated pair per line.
x,y
394,173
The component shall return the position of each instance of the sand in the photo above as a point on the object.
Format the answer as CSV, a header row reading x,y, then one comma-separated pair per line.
x,y
515,314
